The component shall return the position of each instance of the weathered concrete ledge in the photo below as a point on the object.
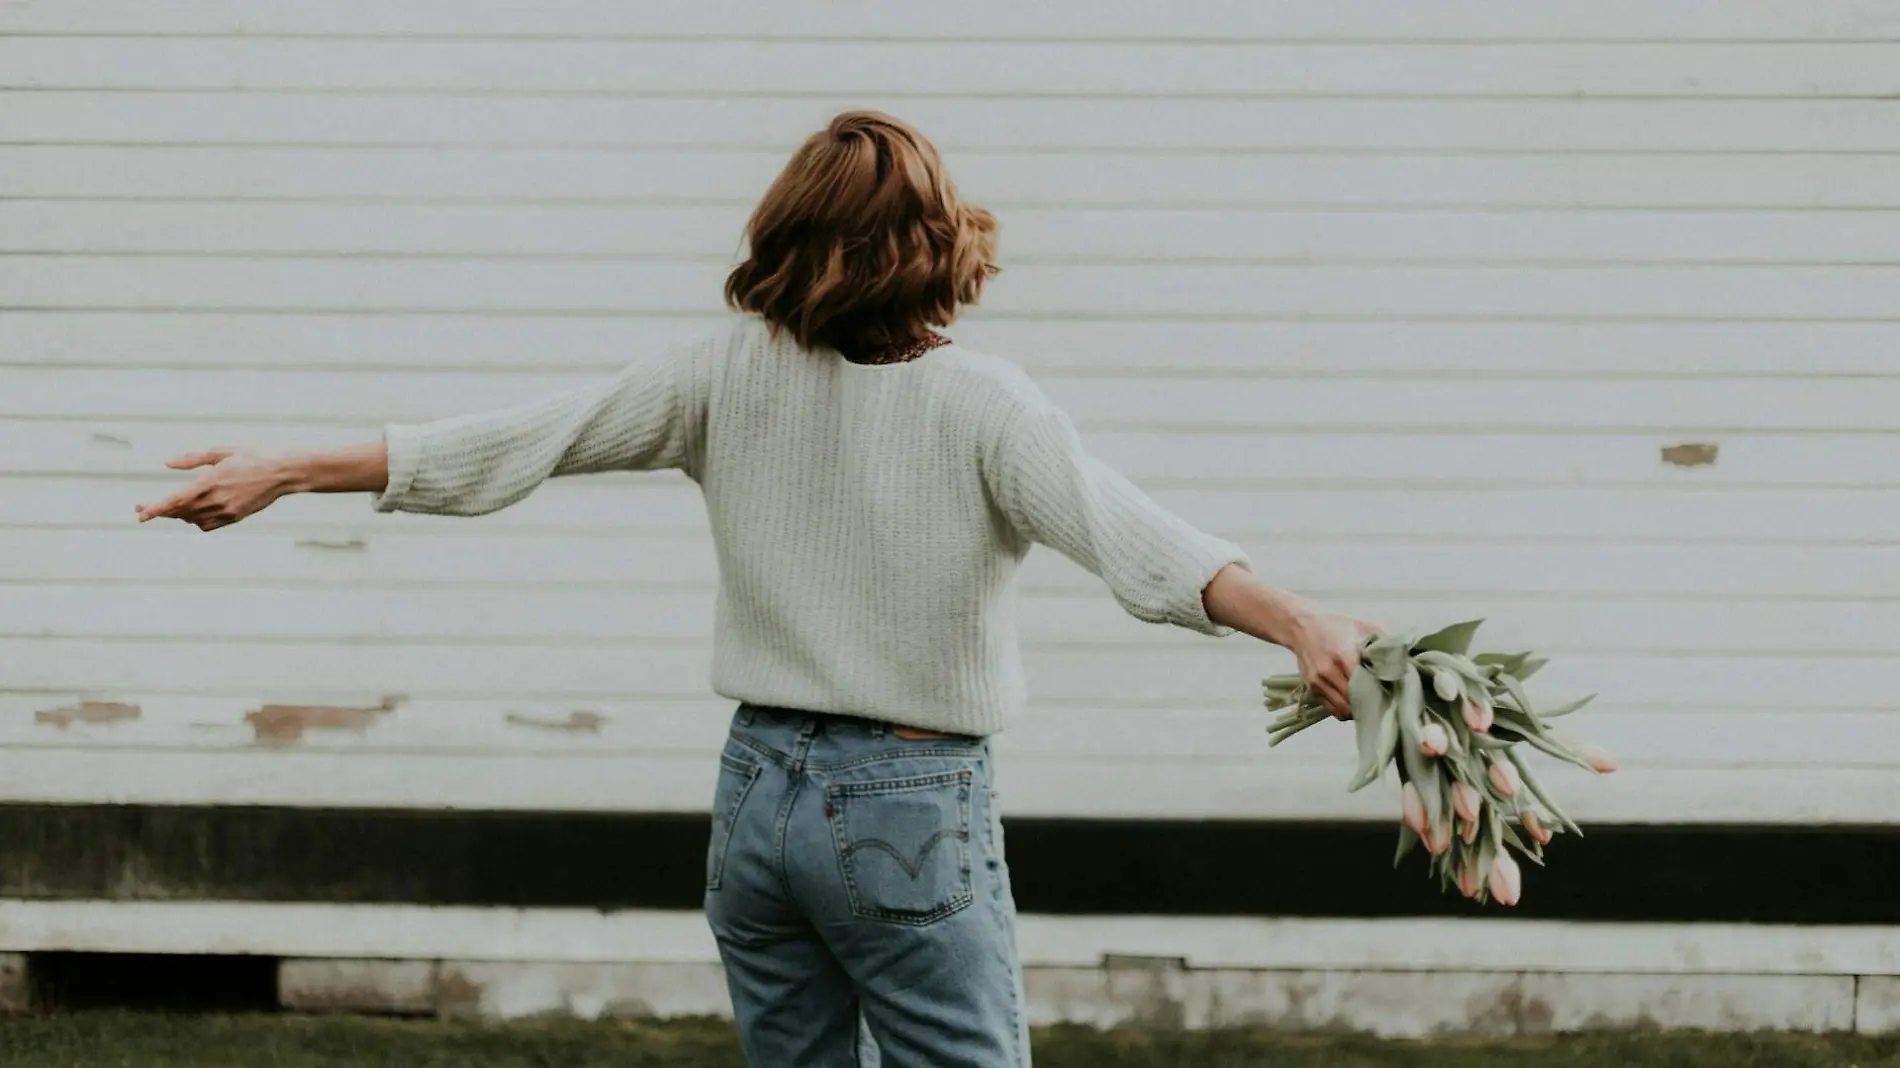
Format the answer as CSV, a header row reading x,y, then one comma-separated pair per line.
x,y
1156,993
1392,977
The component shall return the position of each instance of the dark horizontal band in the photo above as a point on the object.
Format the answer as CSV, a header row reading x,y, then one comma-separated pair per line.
x,y
1836,875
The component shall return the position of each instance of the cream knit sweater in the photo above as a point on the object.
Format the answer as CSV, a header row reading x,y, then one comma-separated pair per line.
x,y
868,519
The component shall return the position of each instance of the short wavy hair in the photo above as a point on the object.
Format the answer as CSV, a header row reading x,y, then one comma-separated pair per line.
x,y
861,242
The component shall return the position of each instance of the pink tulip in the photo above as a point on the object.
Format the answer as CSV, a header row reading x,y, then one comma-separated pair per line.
x,y
1536,829
1505,779
1478,717
1465,801
1468,830
1506,882
1414,808
1433,740
1599,759
1468,881
1438,839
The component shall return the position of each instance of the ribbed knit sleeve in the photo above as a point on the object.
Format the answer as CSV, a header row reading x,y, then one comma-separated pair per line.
x,y
475,464
1055,493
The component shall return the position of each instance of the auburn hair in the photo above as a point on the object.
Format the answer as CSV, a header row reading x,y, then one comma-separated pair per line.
x,y
861,242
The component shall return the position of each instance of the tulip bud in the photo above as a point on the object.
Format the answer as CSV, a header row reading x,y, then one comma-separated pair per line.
x,y
1535,827
1506,882
1438,840
1599,759
1468,831
1432,740
1468,881
1478,717
1464,801
1447,686
1414,808
1505,779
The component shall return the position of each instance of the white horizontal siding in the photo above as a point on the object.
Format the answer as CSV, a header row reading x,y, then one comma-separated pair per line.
x,y
1228,20
1127,400
1212,179
294,117
1387,564
913,68
1367,454
1071,236
601,344
1407,300
1174,291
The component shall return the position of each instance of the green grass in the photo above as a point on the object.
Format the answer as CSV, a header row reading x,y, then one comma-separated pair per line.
x,y
130,1040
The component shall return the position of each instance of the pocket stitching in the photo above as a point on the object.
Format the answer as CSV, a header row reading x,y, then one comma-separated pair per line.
x,y
717,861
964,894
905,785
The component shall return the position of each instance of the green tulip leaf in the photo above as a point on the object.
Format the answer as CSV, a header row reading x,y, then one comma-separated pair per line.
x,y
1567,708
1387,657
1543,798
1511,662
1453,639
1408,841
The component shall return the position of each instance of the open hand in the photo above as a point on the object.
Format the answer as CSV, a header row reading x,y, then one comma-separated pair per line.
x,y
1327,646
232,485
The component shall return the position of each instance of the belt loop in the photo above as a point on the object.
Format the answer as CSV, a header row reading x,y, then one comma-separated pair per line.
x,y
745,714
877,730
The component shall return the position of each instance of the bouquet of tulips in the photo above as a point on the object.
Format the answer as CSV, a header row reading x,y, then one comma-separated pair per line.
x,y
1454,724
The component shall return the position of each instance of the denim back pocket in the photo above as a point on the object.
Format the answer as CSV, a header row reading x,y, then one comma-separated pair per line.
x,y
736,777
904,845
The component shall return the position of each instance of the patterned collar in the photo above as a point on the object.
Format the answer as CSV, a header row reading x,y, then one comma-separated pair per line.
x,y
901,353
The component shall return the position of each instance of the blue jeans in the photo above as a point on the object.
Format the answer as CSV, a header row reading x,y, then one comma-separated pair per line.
x,y
856,886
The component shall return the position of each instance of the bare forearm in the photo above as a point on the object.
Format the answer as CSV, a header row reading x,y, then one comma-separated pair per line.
x,y
360,468
1327,644
1236,599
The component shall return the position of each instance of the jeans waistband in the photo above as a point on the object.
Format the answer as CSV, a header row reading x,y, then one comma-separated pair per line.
x,y
751,714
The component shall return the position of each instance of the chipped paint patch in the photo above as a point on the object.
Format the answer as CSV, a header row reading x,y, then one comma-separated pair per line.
x,y
582,722
286,724
344,545
1691,454
87,712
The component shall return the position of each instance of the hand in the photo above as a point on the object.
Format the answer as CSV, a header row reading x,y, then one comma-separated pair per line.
x,y
1328,646
233,485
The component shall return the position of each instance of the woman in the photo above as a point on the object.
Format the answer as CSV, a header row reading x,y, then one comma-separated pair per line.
x,y
872,488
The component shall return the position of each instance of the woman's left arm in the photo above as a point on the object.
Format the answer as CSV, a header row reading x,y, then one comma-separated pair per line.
x,y
468,465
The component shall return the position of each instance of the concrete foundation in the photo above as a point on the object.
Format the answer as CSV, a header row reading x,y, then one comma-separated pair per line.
x,y
1162,994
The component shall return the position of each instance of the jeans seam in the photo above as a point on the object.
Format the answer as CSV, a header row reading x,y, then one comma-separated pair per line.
x,y
962,753
717,862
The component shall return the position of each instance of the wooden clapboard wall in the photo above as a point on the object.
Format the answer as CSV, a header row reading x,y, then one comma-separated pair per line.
x,y
1417,302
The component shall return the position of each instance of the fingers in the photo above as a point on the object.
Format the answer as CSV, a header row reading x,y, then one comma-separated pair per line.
x,y
1331,685
175,506
200,459
1332,679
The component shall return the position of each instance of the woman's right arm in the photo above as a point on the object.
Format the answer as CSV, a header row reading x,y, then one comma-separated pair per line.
x,y
1326,644
235,484
1160,568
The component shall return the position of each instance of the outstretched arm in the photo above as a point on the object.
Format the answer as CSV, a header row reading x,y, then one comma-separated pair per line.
x,y
1160,568
234,484
642,419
